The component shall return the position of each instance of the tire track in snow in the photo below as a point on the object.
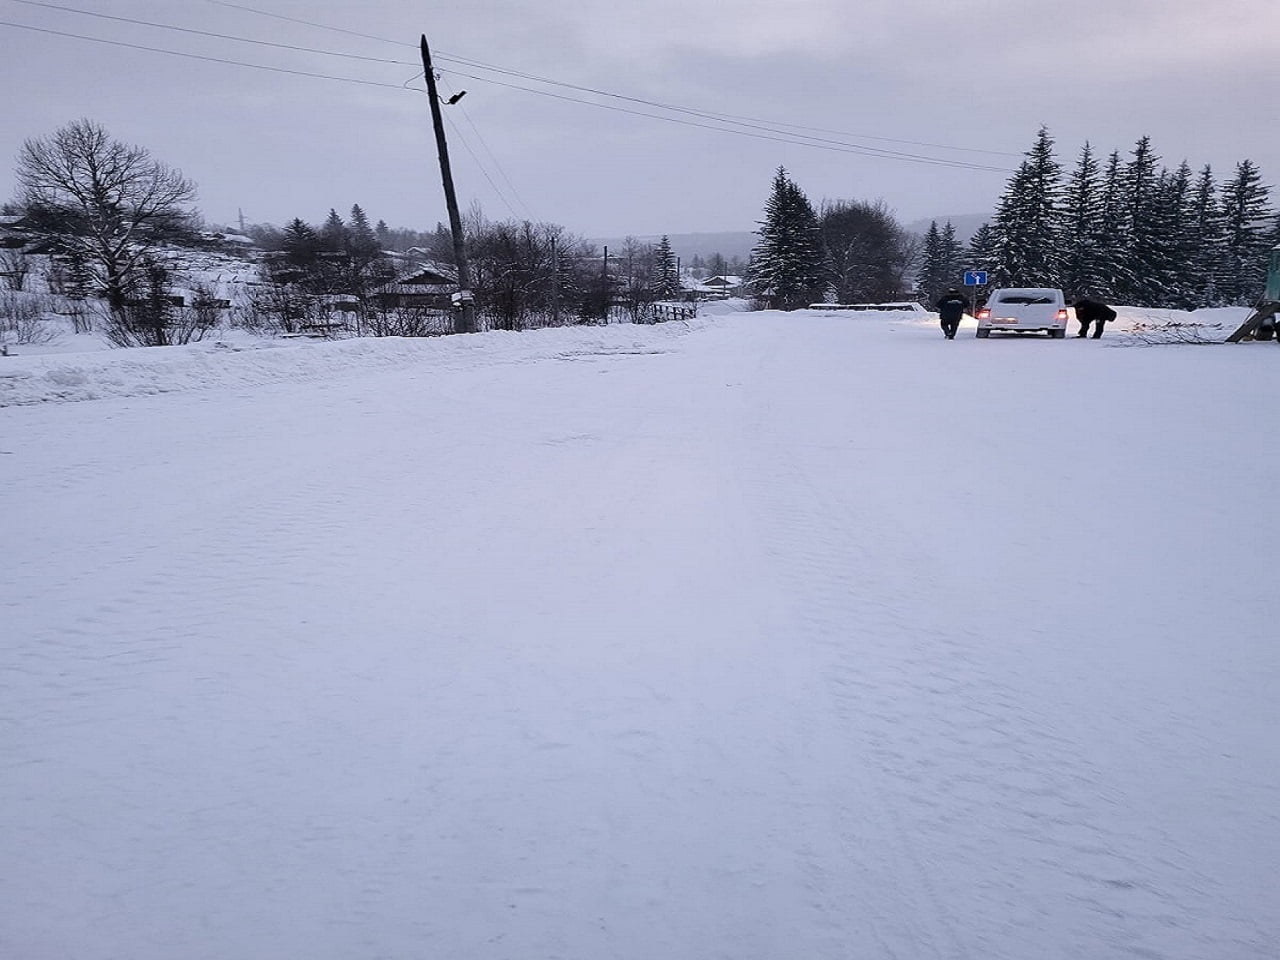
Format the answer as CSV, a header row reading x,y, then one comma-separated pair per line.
x,y
990,846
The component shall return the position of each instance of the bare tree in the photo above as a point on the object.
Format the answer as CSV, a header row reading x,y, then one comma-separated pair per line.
x,y
101,201
15,266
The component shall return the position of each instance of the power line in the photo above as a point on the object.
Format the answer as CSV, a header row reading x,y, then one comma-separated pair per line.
x,y
484,143
196,56
815,142
207,33
769,133
481,65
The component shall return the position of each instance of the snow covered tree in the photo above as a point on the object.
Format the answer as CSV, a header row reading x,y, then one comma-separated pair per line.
x,y
1141,186
942,264
1247,225
1027,228
1204,257
666,278
1112,246
867,251
1083,272
1174,243
788,266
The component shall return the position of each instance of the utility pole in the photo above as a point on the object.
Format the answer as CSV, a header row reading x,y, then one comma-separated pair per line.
x,y
555,284
464,299
604,286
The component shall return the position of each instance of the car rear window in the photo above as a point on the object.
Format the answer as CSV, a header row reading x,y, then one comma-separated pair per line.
x,y
1025,298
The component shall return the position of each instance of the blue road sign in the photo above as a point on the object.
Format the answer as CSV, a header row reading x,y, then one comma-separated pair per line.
x,y
975,278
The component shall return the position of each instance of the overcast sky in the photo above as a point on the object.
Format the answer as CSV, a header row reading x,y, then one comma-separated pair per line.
x,y
945,80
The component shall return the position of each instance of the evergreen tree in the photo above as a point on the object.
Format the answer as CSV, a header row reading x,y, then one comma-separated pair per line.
x,y
362,242
952,255
1082,268
1204,259
1112,248
333,234
1142,212
788,268
1247,226
666,279
982,249
300,243
1027,228
929,280
383,233
1174,243
942,265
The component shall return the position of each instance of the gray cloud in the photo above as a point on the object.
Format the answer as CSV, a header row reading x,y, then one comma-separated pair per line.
x,y
978,75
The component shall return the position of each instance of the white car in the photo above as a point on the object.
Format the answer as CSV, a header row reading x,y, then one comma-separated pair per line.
x,y
1024,309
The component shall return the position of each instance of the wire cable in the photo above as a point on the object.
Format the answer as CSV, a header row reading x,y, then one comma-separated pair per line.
x,y
764,132
207,33
481,65
196,56
497,165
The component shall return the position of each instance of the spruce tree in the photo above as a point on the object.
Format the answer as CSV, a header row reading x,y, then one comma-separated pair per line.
x,y
362,242
1141,185
929,280
982,250
1115,282
951,255
1204,258
1247,226
666,279
333,234
300,243
1082,268
788,268
1176,242
1028,224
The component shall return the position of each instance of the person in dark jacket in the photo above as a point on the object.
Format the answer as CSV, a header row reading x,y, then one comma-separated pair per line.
x,y
1095,312
951,308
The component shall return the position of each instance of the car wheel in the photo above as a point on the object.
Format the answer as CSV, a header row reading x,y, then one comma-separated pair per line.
x,y
983,334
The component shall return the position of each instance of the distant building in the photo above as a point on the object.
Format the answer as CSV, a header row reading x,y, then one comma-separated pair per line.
x,y
718,287
427,286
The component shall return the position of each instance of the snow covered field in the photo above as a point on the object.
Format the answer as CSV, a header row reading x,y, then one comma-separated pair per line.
x,y
769,636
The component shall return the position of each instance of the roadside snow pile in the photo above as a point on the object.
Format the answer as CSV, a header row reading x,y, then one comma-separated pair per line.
x,y
248,361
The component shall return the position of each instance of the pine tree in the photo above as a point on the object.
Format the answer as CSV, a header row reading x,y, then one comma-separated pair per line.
x,y
1028,224
1115,282
666,279
333,234
1082,268
300,243
1144,259
1247,225
942,265
952,251
929,278
1204,258
362,242
788,266
1175,244
982,252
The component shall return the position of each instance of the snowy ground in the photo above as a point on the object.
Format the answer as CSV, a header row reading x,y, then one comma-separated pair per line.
x,y
770,636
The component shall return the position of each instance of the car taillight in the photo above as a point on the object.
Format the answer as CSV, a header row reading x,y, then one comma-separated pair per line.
x,y
1062,314
983,314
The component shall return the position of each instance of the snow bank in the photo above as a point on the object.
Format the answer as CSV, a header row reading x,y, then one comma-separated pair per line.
x,y
243,361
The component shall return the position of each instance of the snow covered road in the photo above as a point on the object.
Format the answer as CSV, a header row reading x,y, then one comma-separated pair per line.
x,y
776,636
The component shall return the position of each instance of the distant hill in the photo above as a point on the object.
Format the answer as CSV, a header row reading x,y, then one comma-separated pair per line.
x,y
689,245
966,224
